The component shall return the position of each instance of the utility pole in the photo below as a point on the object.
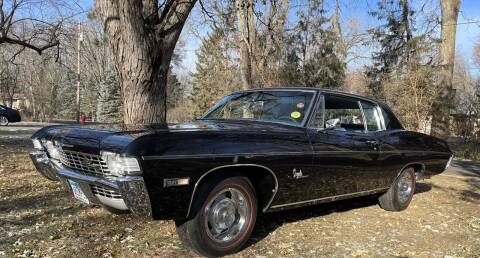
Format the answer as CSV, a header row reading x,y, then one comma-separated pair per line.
x,y
79,45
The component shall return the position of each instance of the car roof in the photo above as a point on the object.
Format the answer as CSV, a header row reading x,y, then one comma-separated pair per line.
x,y
321,90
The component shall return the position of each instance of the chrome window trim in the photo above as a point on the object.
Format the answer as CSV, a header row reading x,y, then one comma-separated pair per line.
x,y
320,101
234,165
365,128
377,108
382,119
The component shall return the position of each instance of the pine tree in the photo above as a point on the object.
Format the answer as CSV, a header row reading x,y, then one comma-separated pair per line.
x,y
66,88
312,59
397,44
215,74
109,104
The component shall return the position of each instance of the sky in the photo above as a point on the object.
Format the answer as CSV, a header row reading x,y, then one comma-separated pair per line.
x,y
468,28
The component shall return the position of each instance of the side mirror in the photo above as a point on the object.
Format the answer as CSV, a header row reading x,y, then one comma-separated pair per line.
x,y
332,123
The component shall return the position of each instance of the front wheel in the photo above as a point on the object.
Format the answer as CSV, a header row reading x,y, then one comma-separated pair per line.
x,y
3,121
400,194
225,220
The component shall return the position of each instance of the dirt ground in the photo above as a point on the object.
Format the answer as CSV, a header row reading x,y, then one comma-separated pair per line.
x,y
38,218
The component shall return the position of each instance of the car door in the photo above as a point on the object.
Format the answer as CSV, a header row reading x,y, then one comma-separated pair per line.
x,y
345,153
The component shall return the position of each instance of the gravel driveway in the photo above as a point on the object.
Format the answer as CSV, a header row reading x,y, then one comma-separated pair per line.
x,y
39,219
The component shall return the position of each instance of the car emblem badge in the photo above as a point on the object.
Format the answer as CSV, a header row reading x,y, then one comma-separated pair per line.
x,y
297,174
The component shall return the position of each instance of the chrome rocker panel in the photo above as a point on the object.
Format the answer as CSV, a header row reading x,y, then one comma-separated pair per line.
x,y
133,191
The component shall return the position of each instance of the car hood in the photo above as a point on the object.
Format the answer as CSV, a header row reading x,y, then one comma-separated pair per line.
x,y
93,139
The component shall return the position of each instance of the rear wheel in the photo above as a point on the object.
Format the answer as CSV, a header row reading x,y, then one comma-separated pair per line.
x,y
400,194
3,121
225,220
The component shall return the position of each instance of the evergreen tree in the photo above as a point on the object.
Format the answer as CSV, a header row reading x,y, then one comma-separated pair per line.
x,y
175,90
109,104
66,88
397,44
312,59
215,74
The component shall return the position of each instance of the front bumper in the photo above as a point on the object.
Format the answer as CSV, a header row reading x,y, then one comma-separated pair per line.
x,y
132,189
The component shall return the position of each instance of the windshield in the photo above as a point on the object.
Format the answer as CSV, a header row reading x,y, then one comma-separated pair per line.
x,y
288,107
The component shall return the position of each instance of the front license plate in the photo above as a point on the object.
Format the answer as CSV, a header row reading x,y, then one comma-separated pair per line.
x,y
77,191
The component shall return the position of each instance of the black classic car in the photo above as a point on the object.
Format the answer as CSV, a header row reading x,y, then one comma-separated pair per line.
x,y
8,115
255,151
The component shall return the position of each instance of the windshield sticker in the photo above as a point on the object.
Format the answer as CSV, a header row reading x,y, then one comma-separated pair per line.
x,y
296,114
300,105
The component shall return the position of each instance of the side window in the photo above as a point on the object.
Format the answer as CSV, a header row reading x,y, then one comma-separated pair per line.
x,y
372,117
343,114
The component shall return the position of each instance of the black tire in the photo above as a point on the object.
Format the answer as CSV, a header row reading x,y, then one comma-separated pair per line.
x,y
392,200
195,233
4,121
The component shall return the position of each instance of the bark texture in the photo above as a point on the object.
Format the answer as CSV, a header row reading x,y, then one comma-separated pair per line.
x,y
142,36
244,15
443,103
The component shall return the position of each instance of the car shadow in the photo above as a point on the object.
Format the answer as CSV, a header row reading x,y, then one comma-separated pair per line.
x,y
269,222
466,167
469,194
422,187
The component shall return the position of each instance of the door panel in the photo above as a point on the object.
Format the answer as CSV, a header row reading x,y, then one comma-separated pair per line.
x,y
344,163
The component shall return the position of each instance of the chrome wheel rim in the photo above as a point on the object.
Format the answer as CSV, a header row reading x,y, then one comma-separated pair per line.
x,y
226,215
405,187
3,120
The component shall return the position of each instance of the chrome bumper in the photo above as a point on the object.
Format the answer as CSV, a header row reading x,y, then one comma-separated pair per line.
x,y
133,191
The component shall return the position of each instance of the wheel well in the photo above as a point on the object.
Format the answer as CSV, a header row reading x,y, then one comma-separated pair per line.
x,y
263,180
419,169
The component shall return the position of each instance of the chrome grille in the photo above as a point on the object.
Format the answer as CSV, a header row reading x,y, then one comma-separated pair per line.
x,y
85,163
102,191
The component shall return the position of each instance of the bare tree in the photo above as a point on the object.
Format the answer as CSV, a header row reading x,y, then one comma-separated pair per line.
x,y
32,31
142,36
8,81
245,40
444,100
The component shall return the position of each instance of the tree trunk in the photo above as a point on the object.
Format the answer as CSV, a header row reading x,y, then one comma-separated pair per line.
x,y
245,59
406,23
444,101
142,40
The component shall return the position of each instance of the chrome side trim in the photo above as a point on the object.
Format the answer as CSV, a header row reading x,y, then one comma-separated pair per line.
x,y
250,155
219,155
329,198
234,165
